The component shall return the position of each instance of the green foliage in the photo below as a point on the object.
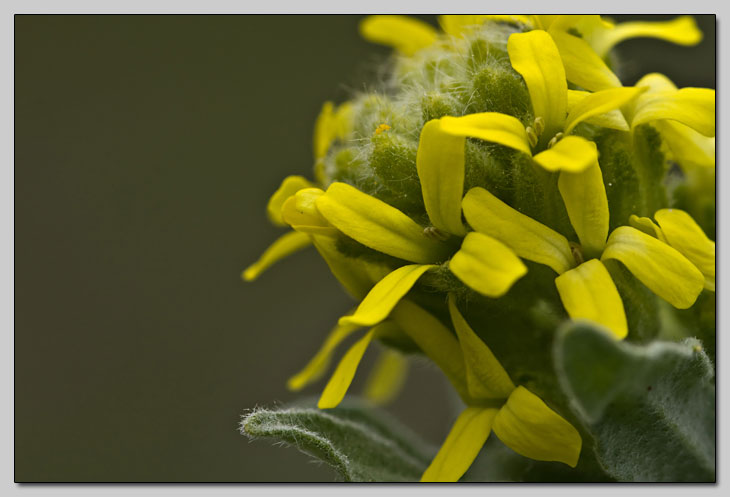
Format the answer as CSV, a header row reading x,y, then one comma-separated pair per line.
x,y
357,441
651,408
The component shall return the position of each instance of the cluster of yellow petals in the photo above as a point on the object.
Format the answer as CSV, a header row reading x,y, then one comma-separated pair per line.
x,y
671,256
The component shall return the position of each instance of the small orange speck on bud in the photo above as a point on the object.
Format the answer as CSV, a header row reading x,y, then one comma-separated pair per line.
x,y
381,128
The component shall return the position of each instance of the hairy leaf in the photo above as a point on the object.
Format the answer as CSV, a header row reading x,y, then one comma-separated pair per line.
x,y
361,443
650,408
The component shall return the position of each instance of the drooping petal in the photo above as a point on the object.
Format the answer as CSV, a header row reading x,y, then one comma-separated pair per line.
x,y
485,376
599,103
529,427
324,130
660,267
529,239
378,303
456,25
647,226
288,187
356,275
378,225
317,366
486,265
683,233
573,154
341,379
682,31
688,147
588,292
330,125
489,126
462,445
434,339
694,107
387,377
405,34
582,66
535,56
285,245
440,165
301,213
613,119
584,196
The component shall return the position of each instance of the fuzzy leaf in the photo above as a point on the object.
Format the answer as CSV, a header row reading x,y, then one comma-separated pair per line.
x,y
651,409
359,442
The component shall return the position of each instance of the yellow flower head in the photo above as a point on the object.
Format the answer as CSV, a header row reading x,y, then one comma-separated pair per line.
x,y
493,150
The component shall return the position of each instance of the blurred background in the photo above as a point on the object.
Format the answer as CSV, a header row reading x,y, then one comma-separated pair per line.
x,y
146,148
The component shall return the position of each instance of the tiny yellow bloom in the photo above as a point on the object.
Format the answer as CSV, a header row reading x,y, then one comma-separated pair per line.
x,y
381,128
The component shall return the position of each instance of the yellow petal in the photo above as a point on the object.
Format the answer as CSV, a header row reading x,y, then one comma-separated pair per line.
x,y
529,239
584,196
341,379
290,186
588,292
647,226
301,213
599,103
682,31
456,25
489,126
683,233
573,154
324,130
385,295
377,225
485,376
535,56
356,275
694,107
440,165
405,34
486,265
655,82
657,265
462,445
529,427
582,66
687,146
285,245
387,377
613,119
434,339
316,367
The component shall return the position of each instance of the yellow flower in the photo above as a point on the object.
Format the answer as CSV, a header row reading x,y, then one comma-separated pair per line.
x,y
409,35
384,228
520,419
535,56
685,118
330,125
669,269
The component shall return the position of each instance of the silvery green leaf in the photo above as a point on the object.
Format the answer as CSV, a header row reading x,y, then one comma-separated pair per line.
x,y
359,442
650,408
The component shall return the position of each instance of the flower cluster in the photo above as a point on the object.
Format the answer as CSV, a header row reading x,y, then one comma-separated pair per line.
x,y
502,145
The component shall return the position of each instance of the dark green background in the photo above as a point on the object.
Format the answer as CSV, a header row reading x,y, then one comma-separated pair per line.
x,y
146,148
